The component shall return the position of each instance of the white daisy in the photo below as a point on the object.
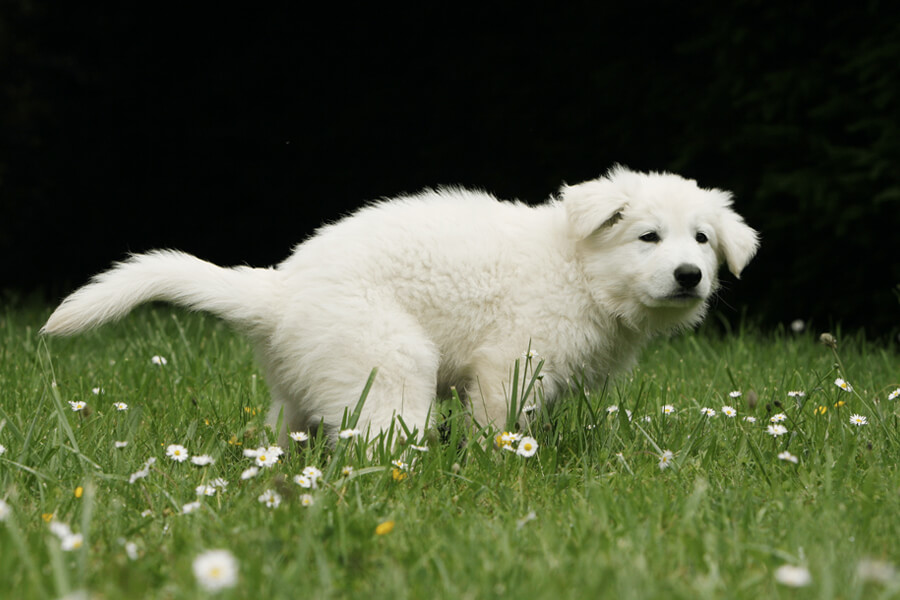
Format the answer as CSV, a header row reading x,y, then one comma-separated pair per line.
x,y
71,542
313,473
796,394
120,445
894,395
792,576
729,411
270,498
776,430
299,436
843,385
220,483
858,420
788,457
306,500
76,406
419,448
527,447
735,394
131,550
668,409
347,471
750,419
778,418
177,452
665,460
205,490
303,481
190,507
250,473
202,460
709,412
5,510
612,409
120,406
97,391
216,570
2,448
346,434
159,360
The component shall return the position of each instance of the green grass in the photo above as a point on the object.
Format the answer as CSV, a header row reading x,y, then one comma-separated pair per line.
x,y
590,515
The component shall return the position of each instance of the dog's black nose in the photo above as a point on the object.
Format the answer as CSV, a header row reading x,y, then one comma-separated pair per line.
x,y
688,276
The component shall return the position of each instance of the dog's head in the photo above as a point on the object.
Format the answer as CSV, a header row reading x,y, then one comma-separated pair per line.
x,y
651,244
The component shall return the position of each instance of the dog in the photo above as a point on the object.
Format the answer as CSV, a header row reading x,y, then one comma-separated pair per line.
x,y
449,287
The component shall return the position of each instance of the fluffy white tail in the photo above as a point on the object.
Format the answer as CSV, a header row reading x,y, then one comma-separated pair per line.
x,y
242,296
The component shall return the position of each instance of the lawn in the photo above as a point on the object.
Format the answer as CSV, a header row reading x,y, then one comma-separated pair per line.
x,y
634,492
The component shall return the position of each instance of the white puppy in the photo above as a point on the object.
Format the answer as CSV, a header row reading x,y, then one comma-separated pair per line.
x,y
449,288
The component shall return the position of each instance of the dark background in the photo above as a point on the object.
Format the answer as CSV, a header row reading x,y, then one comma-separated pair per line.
x,y
232,132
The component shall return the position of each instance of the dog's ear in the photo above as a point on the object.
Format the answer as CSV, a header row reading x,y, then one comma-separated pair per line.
x,y
738,242
592,205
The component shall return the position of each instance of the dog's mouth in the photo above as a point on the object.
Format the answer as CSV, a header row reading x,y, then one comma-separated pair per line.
x,y
679,299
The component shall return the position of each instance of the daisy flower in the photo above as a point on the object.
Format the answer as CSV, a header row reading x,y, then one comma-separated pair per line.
x,y
858,420
303,481
220,483
216,570
2,448
306,500
76,406
788,457
299,436
665,460
120,445
131,550
5,510
530,408
792,576
612,409
776,430
843,385
530,354
159,360
729,411
750,419
506,439
347,434
527,447
205,490
347,471
203,460
778,418
668,409
177,452
121,406
735,394
71,542
250,473
190,507
313,473
400,464
796,394
419,448
709,412
97,391
894,395
270,498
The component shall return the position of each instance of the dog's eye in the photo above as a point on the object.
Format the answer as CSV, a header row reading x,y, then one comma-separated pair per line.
x,y
701,238
650,237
